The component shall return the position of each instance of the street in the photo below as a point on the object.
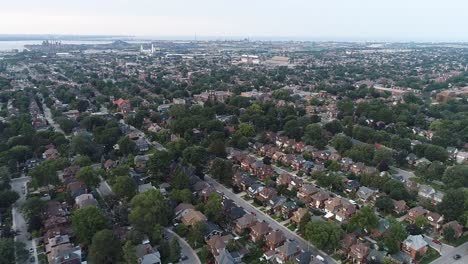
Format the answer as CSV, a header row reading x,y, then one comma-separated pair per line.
x,y
447,258
261,216
185,248
19,223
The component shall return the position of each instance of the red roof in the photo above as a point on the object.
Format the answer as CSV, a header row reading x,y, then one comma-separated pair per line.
x,y
120,101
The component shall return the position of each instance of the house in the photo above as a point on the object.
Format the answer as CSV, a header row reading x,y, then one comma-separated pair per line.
x,y
109,165
295,183
54,208
346,163
297,162
306,191
462,157
352,186
142,145
140,161
85,199
381,229
258,231
415,212
255,189
400,207
414,246
365,194
284,179
65,254
51,154
298,215
211,229
358,253
76,188
332,205
287,251
345,212
225,257
245,222
182,207
426,191
52,242
318,199
357,168
191,217
274,239
288,208
347,241
218,243
457,228
146,254
266,194
435,220
411,159
123,105
376,256
276,203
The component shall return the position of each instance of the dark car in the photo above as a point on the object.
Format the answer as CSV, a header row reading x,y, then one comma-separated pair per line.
x,y
456,257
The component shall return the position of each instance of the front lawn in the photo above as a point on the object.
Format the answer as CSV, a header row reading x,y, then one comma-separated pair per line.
x,y
431,255
457,242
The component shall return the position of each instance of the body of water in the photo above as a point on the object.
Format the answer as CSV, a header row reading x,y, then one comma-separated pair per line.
x,y
19,44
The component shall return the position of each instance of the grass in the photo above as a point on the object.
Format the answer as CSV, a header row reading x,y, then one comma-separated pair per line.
x,y
431,255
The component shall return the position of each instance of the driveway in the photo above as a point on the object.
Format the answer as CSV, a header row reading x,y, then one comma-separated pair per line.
x,y
447,258
261,216
185,248
19,223
443,249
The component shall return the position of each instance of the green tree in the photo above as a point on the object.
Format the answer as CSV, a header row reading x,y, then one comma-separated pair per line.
x,y
385,204
214,207
157,234
159,161
86,222
149,208
197,156
449,234
83,161
8,249
129,253
7,198
365,219
124,187
394,236
456,176
174,250
127,146
303,223
181,196
341,143
180,180
314,136
324,235
246,130
33,206
195,234
222,171
453,204
105,248
421,222
90,176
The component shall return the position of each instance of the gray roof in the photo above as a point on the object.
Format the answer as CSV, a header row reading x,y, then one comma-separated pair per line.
x,y
415,242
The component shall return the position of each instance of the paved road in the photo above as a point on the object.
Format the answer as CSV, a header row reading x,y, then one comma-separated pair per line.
x,y
264,217
447,258
185,248
48,116
404,173
19,223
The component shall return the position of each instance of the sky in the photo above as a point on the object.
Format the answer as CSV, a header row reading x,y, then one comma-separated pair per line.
x,y
382,20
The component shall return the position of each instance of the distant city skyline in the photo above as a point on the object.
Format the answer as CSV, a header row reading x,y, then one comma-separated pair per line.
x,y
340,20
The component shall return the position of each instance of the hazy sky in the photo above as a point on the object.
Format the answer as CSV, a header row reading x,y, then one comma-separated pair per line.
x,y
437,20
